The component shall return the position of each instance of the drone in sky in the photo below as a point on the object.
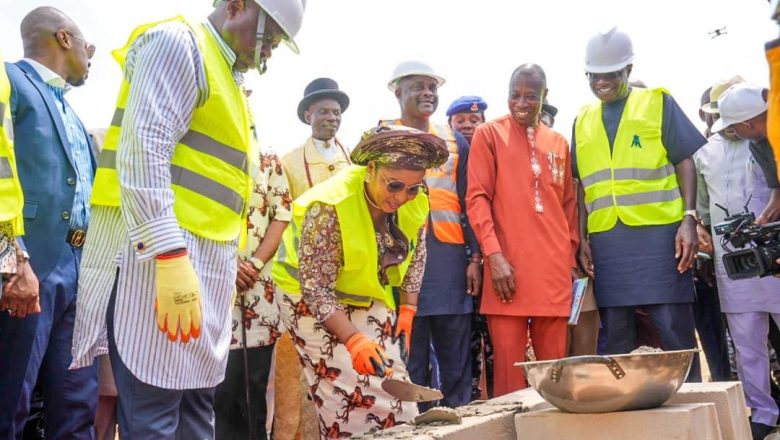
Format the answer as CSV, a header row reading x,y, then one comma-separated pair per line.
x,y
718,32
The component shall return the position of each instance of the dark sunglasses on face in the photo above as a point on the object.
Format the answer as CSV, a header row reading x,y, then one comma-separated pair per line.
x,y
607,76
395,186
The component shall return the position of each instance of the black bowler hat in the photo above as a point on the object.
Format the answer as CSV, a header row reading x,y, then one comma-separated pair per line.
x,y
321,88
549,109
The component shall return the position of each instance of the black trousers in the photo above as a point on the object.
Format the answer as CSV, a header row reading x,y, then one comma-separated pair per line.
x,y
230,400
674,323
450,335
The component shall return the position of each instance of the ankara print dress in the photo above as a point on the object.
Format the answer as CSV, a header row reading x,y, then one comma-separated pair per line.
x,y
346,403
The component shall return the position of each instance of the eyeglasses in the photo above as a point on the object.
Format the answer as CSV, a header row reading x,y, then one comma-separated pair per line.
x,y
607,76
395,186
89,47
273,39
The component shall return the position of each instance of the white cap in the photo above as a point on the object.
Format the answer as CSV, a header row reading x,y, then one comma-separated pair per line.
x,y
739,103
717,90
408,68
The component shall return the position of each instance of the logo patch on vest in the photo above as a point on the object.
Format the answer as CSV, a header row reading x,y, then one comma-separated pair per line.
x,y
635,143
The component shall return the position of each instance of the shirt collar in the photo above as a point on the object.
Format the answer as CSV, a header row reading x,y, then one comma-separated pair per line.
x,y
227,52
323,144
48,76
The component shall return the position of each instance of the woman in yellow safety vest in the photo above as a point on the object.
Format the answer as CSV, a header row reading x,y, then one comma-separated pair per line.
x,y
352,239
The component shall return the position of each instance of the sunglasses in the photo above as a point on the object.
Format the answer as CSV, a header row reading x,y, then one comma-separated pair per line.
x,y
395,186
89,47
607,76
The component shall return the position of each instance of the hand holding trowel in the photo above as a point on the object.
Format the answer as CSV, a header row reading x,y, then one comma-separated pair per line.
x,y
369,358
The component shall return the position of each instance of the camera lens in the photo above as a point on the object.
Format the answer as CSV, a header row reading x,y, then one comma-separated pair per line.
x,y
742,264
747,263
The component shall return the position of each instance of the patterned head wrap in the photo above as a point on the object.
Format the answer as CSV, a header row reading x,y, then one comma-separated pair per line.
x,y
400,147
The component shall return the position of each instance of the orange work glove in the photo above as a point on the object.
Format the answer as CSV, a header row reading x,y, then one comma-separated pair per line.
x,y
403,326
368,357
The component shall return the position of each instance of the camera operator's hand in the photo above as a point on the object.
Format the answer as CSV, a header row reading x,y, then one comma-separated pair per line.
x,y
771,212
503,275
686,244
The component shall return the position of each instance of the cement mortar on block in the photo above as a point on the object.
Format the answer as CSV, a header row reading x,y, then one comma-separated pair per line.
x,y
499,425
729,400
695,421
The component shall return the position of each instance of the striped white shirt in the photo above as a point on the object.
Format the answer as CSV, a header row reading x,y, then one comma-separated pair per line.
x,y
167,82
76,136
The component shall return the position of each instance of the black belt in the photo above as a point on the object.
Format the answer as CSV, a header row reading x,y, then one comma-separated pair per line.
x,y
76,237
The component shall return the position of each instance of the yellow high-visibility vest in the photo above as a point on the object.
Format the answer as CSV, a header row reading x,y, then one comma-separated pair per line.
x,y
11,197
357,283
443,188
210,166
636,183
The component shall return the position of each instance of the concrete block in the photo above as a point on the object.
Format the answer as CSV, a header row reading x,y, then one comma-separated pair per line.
x,y
694,421
729,400
494,420
530,398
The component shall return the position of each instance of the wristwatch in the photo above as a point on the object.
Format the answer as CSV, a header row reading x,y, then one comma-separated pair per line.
x,y
257,263
693,213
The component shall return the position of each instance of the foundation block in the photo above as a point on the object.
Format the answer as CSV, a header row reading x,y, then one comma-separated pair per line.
x,y
692,421
729,400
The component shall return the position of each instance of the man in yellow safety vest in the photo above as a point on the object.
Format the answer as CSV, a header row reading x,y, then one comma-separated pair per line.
x,y
170,202
632,154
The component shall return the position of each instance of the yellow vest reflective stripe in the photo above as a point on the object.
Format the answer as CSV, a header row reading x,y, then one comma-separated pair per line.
x,y
209,170
11,197
443,189
357,283
635,183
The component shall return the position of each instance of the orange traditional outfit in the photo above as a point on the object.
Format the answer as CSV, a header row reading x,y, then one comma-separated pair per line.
x,y
503,206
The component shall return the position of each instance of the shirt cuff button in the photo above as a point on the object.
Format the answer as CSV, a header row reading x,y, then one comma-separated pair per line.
x,y
140,246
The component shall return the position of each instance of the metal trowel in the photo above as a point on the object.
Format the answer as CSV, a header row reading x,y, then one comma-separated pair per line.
x,y
407,391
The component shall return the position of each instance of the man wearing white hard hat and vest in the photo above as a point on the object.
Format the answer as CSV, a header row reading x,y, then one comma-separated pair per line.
x,y
740,181
631,151
158,275
442,318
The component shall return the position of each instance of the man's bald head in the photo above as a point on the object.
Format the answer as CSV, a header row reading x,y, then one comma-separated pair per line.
x,y
528,70
51,38
527,90
39,26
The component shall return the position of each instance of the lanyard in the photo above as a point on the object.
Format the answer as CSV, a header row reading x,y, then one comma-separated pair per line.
x,y
331,167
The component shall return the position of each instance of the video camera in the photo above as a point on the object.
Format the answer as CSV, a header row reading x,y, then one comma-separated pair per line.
x,y
740,230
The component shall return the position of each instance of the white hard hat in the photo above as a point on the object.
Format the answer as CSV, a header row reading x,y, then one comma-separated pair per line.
x,y
408,68
608,51
288,14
